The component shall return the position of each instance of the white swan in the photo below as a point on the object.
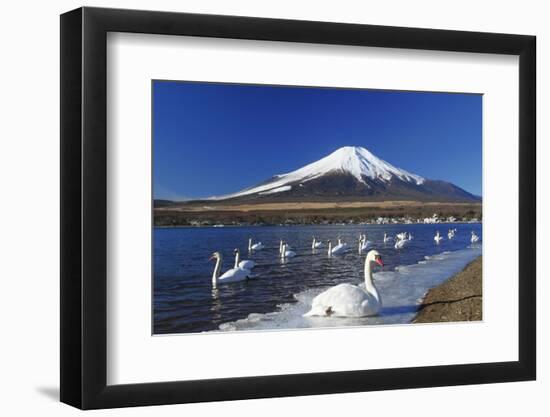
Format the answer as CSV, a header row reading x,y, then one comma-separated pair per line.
x,y
315,244
386,238
255,246
340,248
364,244
244,264
401,236
285,253
451,234
281,242
346,300
232,275
410,236
400,243
474,238
438,238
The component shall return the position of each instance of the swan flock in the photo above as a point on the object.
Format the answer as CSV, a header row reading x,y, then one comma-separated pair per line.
x,y
342,300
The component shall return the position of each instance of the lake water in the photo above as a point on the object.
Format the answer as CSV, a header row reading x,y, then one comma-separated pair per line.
x,y
185,301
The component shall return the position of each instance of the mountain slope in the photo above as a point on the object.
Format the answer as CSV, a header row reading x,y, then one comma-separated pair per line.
x,y
351,174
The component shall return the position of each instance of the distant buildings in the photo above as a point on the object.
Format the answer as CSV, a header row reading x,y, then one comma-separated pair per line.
x,y
302,220
427,220
433,219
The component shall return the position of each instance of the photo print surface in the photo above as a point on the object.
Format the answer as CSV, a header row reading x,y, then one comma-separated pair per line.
x,y
293,207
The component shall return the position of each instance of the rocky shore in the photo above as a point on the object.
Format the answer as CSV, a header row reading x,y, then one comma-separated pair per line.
x,y
457,299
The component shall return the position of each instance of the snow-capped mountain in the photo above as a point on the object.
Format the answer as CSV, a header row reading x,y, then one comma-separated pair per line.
x,y
351,173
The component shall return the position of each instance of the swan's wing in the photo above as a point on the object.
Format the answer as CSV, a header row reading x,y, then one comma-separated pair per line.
x,y
316,311
370,306
343,300
227,274
246,264
339,248
234,275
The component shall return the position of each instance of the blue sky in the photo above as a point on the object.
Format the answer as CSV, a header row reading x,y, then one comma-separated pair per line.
x,y
211,139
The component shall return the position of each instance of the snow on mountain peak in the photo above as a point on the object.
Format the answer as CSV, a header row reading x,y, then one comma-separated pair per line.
x,y
354,160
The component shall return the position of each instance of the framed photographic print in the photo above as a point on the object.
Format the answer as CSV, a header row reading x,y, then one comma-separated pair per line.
x,y
257,207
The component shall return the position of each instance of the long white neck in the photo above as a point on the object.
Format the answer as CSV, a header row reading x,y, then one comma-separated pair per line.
x,y
216,273
339,241
369,284
313,244
283,250
329,248
280,246
237,259
250,244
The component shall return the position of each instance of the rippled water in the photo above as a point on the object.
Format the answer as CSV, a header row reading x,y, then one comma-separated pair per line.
x,y
184,300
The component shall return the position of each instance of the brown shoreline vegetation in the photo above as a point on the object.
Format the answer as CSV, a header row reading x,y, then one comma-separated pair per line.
x,y
308,212
457,299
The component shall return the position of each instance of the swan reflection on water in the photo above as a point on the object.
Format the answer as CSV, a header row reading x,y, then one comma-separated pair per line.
x,y
216,307
215,295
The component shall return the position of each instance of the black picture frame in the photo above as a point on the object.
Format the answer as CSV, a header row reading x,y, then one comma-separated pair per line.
x,y
84,207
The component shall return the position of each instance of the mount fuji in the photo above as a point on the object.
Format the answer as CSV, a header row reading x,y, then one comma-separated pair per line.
x,y
350,173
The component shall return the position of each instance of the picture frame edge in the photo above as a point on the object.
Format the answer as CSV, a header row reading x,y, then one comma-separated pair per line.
x,y
83,233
